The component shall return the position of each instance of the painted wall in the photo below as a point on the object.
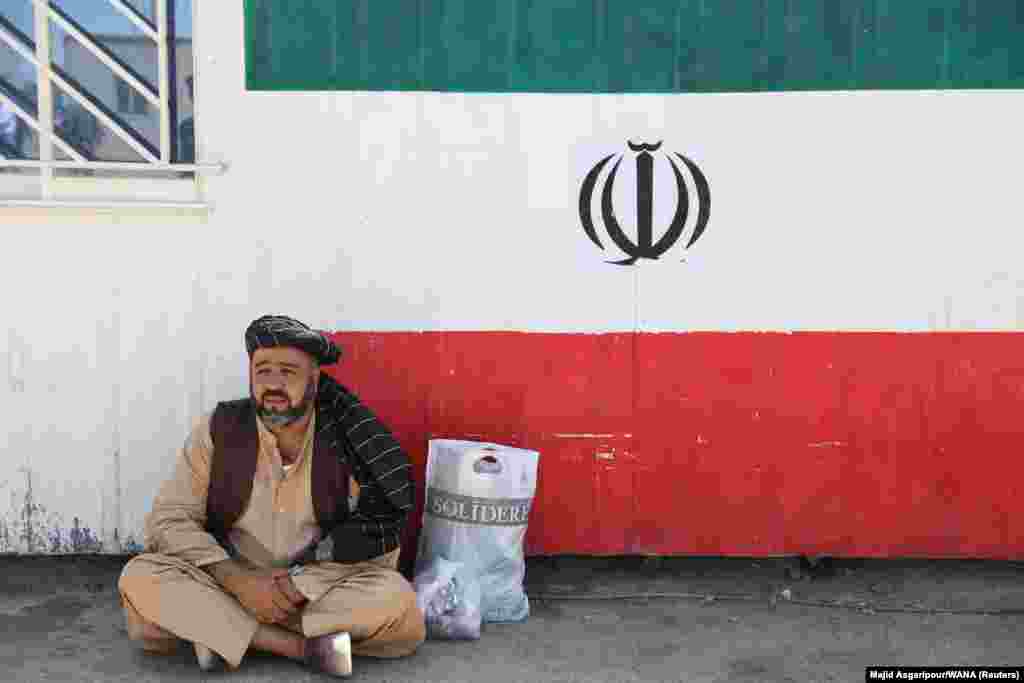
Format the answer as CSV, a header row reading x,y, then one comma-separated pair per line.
x,y
651,46
874,234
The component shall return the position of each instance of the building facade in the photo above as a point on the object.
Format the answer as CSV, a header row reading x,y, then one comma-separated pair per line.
x,y
793,327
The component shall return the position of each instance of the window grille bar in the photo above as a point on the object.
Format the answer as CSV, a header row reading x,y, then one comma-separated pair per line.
x,y
89,44
31,123
133,15
141,167
44,97
197,137
170,15
165,84
18,46
16,31
102,204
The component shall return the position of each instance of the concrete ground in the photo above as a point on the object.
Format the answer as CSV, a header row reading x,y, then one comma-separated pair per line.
x,y
594,620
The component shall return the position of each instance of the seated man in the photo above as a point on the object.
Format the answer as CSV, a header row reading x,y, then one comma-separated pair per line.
x,y
234,555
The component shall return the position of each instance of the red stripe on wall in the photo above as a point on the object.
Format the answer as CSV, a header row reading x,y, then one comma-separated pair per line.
x,y
752,444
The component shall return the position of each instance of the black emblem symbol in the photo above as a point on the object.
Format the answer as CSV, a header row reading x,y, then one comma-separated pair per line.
x,y
645,247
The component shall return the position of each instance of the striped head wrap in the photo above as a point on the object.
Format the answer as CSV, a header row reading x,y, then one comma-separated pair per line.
x,y
280,330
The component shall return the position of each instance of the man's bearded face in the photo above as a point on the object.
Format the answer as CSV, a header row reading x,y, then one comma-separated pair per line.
x,y
283,383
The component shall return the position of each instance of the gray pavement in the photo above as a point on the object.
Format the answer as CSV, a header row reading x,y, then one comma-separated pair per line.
x,y
620,619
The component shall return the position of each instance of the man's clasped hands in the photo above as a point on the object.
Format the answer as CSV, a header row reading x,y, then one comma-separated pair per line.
x,y
269,595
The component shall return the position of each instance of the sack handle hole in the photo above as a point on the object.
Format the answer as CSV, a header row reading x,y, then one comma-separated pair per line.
x,y
487,464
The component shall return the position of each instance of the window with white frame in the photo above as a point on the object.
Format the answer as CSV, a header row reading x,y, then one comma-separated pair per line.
x,y
97,89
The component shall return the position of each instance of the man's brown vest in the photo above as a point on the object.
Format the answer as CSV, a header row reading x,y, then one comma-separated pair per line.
x,y
235,452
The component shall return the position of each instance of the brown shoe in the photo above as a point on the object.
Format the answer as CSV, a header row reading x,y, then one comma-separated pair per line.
x,y
159,646
331,654
154,639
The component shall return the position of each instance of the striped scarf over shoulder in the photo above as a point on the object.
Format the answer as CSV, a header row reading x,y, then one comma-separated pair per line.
x,y
379,465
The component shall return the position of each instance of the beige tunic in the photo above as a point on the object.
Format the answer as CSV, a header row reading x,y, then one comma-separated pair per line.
x,y
278,523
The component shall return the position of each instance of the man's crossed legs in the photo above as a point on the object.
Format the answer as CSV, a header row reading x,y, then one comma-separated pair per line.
x,y
167,600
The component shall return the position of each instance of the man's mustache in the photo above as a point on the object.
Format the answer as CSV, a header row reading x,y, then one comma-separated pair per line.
x,y
273,394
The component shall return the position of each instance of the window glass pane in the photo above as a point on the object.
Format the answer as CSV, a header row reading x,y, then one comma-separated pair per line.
x,y
25,144
17,81
78,127
184,77
139,103
17,75
112,30
124,96
17,140
121,100
19,13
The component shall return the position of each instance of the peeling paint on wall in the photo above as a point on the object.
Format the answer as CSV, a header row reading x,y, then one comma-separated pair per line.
x,y
30,527
78,539
24,527
14,363
117,494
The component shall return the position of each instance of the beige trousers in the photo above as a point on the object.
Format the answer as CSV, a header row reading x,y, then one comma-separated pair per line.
x,y
369,600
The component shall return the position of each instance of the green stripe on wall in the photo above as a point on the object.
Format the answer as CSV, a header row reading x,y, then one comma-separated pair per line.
x,y
633,45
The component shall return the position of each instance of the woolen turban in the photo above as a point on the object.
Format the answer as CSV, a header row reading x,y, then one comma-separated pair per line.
x,y
280,330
